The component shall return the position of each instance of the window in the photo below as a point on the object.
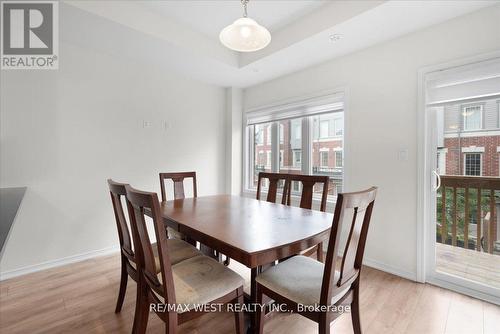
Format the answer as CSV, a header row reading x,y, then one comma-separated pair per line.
x,y
291,132
299,145
297,158
268,135
324,129
338,159
261,161
321,162
473,117
472,163
338,126
498,114
323,158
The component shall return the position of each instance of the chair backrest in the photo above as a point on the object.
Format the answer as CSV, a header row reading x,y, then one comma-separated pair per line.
x,y
274,180
137,202
178,179
117,191
354,209
308,183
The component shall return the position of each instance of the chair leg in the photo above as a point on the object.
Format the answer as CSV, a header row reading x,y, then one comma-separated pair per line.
x,y
239,319
171,324
260,312
141,316
319,252
356,321
324,328
123,285
324,324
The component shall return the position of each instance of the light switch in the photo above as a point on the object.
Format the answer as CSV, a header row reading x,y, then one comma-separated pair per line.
x,y
403,154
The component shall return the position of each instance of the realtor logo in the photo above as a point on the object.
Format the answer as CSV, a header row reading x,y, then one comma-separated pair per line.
x,y
30,35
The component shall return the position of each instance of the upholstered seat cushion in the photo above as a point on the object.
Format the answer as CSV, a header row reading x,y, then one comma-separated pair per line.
x,y
178,251
201,279
298,279
174,233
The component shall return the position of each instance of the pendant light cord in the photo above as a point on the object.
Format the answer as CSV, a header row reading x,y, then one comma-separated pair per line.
x,y
244,3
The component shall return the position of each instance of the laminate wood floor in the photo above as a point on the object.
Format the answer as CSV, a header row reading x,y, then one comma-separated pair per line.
x,y
80,298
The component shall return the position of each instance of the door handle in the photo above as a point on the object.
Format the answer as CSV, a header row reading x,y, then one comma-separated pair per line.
x,y
438,185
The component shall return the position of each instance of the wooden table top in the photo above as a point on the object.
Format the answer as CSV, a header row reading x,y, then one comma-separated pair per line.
x,y
246,229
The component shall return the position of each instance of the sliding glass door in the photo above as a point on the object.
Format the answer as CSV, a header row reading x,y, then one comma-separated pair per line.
x,y
462,106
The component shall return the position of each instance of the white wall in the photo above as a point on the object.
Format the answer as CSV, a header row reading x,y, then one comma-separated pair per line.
x,y
64,132
381,119
234,133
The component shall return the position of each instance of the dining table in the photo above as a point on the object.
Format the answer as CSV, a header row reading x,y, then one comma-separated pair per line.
x,y
252,232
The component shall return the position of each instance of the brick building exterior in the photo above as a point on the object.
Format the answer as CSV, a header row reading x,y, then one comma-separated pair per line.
x,y
487,146
326,149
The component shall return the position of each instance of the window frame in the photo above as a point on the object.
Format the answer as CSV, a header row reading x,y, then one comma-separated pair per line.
x,y
324,102
336,152
498,114
321,162
464,116
306,151
480,163
336,121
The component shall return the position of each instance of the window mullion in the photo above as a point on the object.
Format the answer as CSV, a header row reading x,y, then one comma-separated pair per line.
x,y
250,156
275,149
306,146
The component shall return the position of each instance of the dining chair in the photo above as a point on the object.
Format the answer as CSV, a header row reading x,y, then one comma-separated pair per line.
x,y
308,182
301,282
178,249
274,180
178,180
178,184
196,281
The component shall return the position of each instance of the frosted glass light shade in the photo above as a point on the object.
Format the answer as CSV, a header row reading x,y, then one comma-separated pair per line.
x,y
245,35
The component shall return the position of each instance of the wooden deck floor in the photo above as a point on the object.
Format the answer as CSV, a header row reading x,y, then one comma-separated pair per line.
x,y
477,266
80,298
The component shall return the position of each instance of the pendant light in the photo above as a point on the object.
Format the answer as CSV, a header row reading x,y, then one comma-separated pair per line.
x,y
245,34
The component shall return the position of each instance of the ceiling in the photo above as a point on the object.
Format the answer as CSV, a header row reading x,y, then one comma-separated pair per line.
x,y
182,36
210,17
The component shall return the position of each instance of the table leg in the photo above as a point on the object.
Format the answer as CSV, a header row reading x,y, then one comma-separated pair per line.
x,y
253,297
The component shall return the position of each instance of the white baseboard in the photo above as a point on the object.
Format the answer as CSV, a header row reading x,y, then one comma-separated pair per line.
x,y
390,269
57,263
109,250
